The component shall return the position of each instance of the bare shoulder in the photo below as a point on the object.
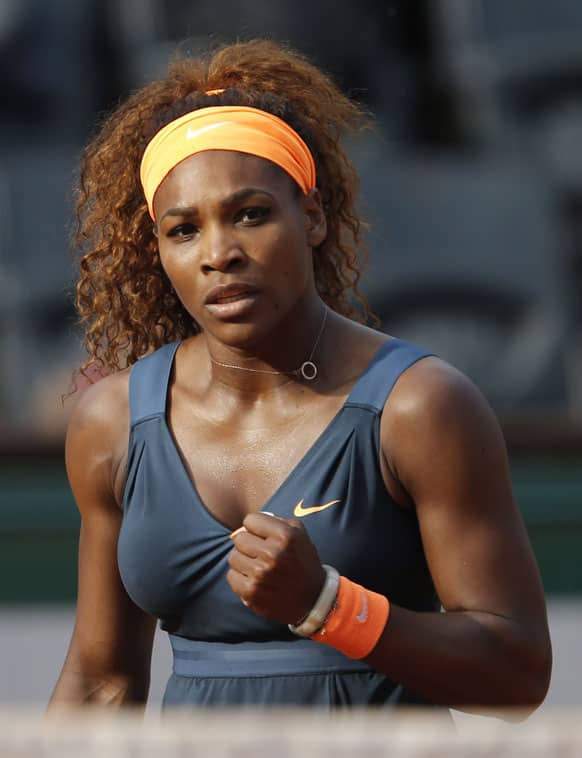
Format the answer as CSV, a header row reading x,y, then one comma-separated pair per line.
x,y
97,436
100,404
432,392
437,414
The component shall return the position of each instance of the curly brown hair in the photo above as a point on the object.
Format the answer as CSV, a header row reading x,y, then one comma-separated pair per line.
x,y
124,299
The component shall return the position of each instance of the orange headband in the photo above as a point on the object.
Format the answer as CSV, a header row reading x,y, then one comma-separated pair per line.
x,y
226,127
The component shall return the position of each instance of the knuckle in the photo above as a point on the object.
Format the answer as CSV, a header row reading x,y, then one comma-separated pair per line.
x,y
284,536
252,588
229,578
269,557
297,525
259,573
263,567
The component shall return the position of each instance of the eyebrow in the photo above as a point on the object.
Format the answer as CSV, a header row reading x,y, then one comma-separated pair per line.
x,y
236,197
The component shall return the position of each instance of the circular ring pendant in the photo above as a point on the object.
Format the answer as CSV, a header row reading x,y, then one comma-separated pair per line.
x,y
308,370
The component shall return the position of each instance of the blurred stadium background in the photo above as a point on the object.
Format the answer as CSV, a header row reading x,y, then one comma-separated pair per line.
x,y
472,184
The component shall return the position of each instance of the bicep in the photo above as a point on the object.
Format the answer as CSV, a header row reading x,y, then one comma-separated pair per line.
x,y
453,464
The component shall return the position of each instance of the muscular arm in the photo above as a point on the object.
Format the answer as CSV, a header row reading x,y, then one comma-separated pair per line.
x,y
445,458
491,645
109,654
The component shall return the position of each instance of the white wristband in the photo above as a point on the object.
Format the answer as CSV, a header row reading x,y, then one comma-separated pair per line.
x,y
322,607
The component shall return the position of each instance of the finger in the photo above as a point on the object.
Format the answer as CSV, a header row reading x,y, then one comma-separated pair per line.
x,y
239,585
250,545
241,563
238,531
242,529
265,525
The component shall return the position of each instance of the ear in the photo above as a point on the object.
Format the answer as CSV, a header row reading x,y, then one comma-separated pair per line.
x,y
315,221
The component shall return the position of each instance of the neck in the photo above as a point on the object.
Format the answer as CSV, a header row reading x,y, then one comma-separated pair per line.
x,y
292,353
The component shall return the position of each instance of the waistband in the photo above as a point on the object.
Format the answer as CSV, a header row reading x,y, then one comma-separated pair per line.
x,y
194,658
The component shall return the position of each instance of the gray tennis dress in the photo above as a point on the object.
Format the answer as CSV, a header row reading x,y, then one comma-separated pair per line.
x,y
173,553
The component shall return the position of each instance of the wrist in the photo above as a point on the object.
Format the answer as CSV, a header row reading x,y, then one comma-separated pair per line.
x,y
356,620
322,607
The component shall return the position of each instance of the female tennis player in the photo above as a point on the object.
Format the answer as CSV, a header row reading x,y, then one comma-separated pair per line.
x,y
318,513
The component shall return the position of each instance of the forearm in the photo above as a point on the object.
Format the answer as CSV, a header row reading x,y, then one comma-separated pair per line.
x,y
463,658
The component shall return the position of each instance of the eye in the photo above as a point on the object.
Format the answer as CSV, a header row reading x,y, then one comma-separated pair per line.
x,y
183,231
253,215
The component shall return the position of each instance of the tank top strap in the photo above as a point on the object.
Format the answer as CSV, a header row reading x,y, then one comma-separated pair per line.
x,y
375,384
148,383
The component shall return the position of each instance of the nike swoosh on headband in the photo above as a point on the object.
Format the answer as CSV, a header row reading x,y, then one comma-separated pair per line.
x,y
300,511
193,133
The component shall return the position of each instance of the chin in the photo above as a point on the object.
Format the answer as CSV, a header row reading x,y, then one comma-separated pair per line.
x,y
242,335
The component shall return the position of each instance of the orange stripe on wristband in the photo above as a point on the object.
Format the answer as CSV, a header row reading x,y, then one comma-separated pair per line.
x,y
355,624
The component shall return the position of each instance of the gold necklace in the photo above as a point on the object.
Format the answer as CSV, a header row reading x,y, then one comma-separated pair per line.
x,y
308,369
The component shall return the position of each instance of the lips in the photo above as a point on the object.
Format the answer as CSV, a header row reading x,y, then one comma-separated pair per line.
x,y
229,293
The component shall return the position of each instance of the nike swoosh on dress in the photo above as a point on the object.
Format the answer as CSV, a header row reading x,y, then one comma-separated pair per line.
x,y
300,511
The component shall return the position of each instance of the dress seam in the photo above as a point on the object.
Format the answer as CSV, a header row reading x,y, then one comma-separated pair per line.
x,y
339,672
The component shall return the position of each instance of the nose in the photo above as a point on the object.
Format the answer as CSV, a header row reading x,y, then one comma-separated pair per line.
x,y
221,251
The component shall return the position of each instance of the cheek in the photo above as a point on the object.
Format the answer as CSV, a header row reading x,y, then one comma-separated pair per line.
x,y
180,272
292,279
290,257
174,264
170,271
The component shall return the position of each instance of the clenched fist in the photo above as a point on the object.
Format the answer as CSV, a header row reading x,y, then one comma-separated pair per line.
x,y
274,567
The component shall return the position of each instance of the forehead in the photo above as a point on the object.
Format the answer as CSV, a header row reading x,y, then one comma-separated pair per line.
x,y
216,174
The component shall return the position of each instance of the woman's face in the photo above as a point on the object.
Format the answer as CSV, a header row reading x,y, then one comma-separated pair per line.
x,y
235,237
